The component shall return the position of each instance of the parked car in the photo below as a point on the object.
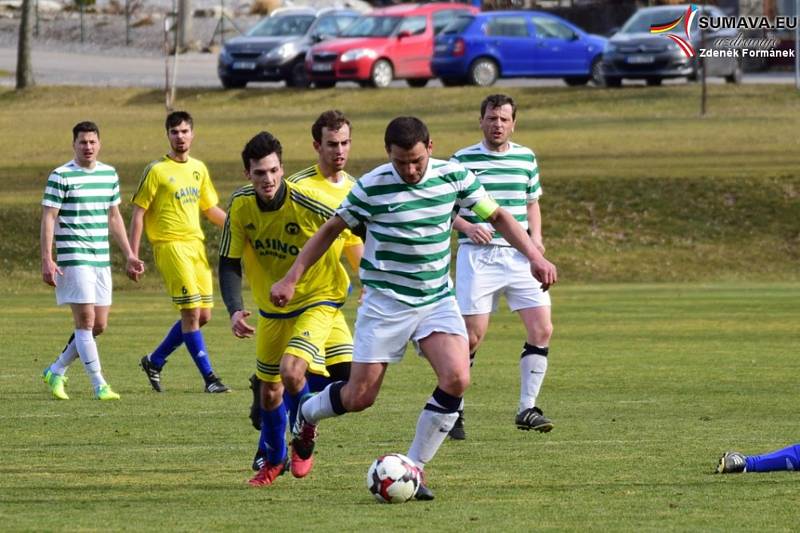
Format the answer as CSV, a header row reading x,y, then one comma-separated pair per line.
x,y
635,53
275,48
479,48
389,43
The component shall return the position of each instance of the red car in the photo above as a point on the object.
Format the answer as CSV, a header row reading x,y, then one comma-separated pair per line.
x,y
386,44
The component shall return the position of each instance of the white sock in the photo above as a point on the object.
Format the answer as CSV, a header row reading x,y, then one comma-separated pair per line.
x,y
87,350
62,362
432,429
532,369
319,407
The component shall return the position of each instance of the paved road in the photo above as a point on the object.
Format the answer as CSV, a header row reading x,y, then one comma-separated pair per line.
x,y
195,70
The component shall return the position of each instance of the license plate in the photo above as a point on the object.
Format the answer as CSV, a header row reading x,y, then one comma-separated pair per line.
x,y
440,48
244,65
641,59
322,67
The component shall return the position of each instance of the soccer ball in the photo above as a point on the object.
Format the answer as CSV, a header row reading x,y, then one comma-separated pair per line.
x,y
393,478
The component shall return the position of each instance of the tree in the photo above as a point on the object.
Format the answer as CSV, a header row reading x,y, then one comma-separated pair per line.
x,y
24,66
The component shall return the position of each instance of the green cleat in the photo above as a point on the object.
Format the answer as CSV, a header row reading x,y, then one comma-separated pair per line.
x,y
56,383
104,392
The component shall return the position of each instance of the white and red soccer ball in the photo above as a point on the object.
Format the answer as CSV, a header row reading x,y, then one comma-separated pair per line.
x,y
393,478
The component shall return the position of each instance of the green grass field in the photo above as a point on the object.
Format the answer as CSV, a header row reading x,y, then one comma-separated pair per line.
x,y
648,384
677,244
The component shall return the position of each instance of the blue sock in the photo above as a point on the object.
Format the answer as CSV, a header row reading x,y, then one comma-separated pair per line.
x,y
197,349
784,459
273,434
170,343
293,401
317,382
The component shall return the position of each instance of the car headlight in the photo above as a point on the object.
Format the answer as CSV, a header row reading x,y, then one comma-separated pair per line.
x,y
224,55
282,53
358,53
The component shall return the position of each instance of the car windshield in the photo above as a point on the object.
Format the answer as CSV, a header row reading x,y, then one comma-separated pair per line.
x,y
641,21
458,24
332,25
284,25
372,26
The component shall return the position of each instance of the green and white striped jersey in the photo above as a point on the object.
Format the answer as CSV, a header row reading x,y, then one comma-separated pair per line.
x,y
511,177
407,247
82,198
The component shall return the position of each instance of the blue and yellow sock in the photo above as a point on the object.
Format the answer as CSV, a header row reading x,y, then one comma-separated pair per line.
x,y
197,349
273,434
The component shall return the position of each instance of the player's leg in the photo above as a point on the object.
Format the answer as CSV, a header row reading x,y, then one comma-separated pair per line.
x,y
338,355
271,457
784,459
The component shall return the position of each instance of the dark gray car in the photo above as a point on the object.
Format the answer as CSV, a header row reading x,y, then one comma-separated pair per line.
x,y
635,53
275,48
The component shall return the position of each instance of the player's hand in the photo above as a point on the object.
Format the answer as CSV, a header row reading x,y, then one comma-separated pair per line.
x,y
49,271
545,272
281,293
479,234
134,268
239,325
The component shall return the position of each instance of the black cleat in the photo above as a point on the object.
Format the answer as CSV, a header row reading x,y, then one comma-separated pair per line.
x,y
732,463
304,434
533,418
457,431
152,371
215,385
423,493
255,413
259,461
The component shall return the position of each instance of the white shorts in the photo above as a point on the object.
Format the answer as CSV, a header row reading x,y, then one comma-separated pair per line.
x,y
483,273
84,285
384,326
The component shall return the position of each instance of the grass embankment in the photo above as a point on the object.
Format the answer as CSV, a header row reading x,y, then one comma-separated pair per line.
x,y
637,186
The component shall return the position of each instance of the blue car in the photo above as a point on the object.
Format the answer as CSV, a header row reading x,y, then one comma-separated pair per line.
x,y
480,48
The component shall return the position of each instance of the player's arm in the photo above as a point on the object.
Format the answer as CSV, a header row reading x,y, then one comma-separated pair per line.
x,y
49,267
542,269
230,285
535,224
137,226
476,233
216,215
283,290
353,254
116,226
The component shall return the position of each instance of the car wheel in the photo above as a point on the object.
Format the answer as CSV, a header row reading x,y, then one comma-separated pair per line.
x,y
612,81
324,84
228,83
596,71
452,82
735,76
483,72
382,74
417,82
654,82
575,82
297,76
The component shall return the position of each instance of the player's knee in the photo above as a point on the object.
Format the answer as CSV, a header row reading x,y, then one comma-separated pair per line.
x,y
292,380
204,318
99,328
541,334
454,383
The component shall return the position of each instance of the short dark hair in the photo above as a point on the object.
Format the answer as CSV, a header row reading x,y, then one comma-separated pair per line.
x,y
498,100
176,117
259,147
333,119
406,132
84,127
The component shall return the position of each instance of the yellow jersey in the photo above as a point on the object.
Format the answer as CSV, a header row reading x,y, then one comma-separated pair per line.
x,y
269,241
312,178
173,195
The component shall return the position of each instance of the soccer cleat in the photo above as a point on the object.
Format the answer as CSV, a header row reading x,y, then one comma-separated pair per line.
x,y
259,461
214,385
267,474
56,383
305,435
423,492
255,415
732,463
104,392
457,431
152,371
533,418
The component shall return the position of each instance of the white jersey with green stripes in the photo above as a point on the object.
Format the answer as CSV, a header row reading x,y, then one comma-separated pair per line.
x,y
407,246
511,177
83,198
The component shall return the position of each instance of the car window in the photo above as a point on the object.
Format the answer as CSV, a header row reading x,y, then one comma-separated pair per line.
x,y
641,21
414,25
372,26
458,24
507,27
332,25
548,28
442,18
284,25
